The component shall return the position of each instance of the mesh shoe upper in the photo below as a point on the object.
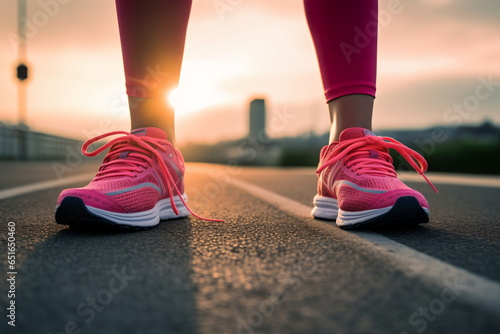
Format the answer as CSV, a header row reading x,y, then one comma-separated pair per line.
x,y
358,171
140,169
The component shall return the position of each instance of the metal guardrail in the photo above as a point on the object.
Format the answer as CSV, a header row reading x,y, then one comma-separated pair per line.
x,y
23,144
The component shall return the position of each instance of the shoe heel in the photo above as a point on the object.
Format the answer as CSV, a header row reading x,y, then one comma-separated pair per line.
x,y
325,208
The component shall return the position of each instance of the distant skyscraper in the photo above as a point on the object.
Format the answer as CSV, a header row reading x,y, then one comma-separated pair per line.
x,y
258,119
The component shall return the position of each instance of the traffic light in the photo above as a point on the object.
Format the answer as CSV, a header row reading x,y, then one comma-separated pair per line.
x,y
22,72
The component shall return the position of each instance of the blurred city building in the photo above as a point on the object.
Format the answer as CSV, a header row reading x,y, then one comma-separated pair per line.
x,y
257,115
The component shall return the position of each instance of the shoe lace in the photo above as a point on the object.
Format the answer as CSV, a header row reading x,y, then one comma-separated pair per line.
x,y
356,149
143,150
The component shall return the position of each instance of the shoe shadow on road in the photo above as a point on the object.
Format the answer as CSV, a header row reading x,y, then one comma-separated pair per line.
x,y
110,282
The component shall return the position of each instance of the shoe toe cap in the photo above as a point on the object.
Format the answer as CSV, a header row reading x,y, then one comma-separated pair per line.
x,y
389,198
356,200
91,198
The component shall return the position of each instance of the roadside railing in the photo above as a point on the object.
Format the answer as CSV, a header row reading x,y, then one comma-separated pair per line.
x,y
23,144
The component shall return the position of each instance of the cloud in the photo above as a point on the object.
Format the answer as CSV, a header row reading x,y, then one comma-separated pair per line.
x,y
430,55
464,10
429,102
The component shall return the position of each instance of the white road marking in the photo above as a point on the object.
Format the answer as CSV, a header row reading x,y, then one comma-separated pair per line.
x,y
478,291
490,181
29,188
455,179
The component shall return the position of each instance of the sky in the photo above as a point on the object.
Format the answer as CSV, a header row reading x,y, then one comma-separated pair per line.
x,y
438,64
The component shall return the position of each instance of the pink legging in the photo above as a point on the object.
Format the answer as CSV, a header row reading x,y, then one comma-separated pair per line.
x,y
344,32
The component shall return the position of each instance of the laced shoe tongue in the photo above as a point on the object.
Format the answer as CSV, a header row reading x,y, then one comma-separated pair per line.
x,y
146,132
140,132
352,133
149,132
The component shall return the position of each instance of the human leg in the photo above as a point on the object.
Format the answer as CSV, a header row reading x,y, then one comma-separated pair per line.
x,y
345,38
141,179
357,185
152,34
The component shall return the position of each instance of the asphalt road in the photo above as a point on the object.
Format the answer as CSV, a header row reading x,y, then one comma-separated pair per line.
x,y
263,270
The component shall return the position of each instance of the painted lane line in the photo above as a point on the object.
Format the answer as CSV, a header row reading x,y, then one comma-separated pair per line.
x,y
476,290
29,188
490,181
454,179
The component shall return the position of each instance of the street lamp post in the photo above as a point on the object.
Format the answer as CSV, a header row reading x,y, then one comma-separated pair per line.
x,y
22,76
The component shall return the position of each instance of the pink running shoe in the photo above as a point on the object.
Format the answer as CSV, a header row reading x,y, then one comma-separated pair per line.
x,y
139,183
358,186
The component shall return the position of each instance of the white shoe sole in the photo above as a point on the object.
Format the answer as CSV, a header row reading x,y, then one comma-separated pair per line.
x,y
77,213
408,212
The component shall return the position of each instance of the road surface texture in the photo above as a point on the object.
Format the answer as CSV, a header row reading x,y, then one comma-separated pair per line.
x,y
267,269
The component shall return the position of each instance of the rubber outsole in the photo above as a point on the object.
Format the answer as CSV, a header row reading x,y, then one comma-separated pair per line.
x,y
73,212
406,212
